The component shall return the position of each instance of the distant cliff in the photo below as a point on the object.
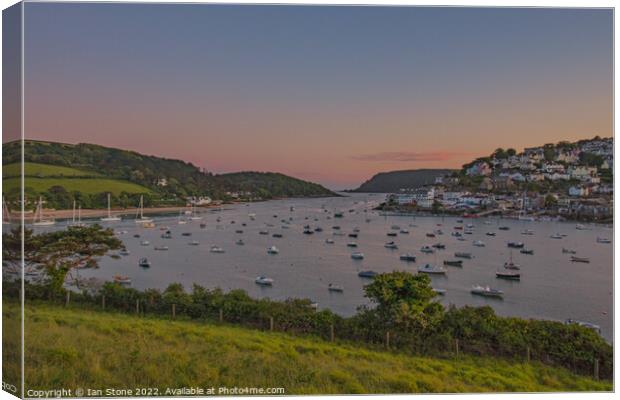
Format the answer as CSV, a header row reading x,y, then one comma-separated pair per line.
x,y
392,181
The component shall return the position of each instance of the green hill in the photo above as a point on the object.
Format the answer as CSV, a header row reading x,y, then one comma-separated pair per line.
x,y
164,178
68,347
389,182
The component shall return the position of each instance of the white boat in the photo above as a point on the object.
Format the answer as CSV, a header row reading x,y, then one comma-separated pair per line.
x,y
357,256
183,221
478,243
556,236
568,251
123,280
194,243
6,213
580,227
144,263
335,288
527,232
38,216
240,242
580,259
329,241
142,219
404,231
216,249
145,243
351,244
263,281
486,291
511,265
602,240
163,248
390,245
427,249
462,255
508,274
110,217
78,221
273,250
432,269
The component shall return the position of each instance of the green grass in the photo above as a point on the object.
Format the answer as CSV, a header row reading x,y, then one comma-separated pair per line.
x,y
41,177
77,348
44,170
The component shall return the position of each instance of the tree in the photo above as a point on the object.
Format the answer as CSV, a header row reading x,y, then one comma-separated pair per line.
x,y
403,298
511,152
59,253
550,201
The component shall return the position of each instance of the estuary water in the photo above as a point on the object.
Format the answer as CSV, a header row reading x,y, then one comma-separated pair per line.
x,y
551,286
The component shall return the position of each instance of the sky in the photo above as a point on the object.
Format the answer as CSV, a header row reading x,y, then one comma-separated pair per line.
x,y
324,93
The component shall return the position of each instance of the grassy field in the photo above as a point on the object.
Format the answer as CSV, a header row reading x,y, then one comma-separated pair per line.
x,y
44,170
41,177
74,348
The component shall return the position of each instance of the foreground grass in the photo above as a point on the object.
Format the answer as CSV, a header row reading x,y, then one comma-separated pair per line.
x,y
76,348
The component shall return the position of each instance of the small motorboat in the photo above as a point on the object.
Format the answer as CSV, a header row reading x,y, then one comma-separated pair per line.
x,y
603,240
439,232
527,232
395,227
329,241
516,245
338,215
427,249
240,242
508,274
367,274
504,228
144,262
263,281
407,257
486,291
432,269
166,235
556,236
580,227
357,256
468,231
453,263
459,254
335,288
351,244
352,235
186,234
137,235
478,243
588,325
263,232
308,231
356,229
430,234
404,231
457,234
318,229
124,252
194,243
123,280
491,234
216,249
568,251
273,250
439,246
145,243
336,227
580,259
527,251
239,231
440,292
162,248
277,235
203,225
392,234
390,245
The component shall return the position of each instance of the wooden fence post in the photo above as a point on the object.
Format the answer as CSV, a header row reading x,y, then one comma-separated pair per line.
x,y
137,306
174,311
596,366
456,346
68,298
331,332
271,323
387,339
103,302
221,315
528,354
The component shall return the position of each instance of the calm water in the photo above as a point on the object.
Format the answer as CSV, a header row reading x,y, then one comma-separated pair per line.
x,y
551,286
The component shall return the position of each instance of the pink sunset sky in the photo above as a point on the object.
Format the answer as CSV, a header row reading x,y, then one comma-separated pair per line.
x,y
327,94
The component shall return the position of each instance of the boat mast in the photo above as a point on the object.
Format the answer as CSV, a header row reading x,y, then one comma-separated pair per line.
x,y
73,214
109,212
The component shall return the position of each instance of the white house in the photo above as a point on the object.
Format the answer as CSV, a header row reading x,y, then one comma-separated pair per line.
x,y
578,191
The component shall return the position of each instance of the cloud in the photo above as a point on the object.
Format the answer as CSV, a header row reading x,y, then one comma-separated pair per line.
x,y
404,156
